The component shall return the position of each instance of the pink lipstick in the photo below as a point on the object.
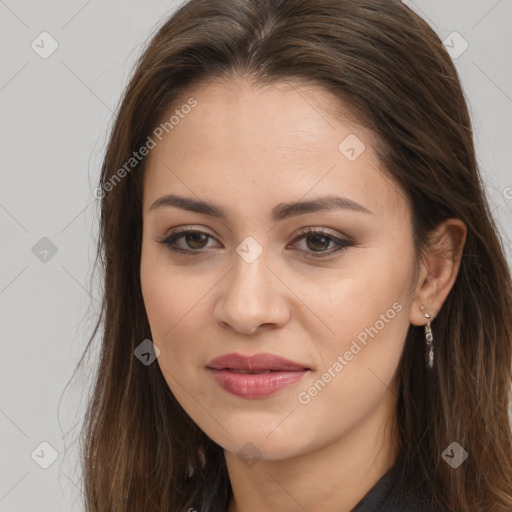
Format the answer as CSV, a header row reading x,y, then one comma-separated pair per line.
x,y
255,376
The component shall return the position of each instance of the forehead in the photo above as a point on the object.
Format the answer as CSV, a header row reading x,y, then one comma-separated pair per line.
x,y
285,138
284,114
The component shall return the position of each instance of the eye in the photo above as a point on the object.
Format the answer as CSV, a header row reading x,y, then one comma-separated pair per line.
x,y
194,240
318,241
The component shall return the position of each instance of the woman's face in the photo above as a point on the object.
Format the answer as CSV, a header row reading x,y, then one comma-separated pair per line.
x,y
254,283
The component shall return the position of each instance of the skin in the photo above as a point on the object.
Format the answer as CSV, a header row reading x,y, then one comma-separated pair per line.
x,y
247,149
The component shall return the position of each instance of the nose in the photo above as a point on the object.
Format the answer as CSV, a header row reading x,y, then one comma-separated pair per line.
x,y
251,297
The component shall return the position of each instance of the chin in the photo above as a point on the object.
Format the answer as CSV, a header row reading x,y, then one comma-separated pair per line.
x,y
256,443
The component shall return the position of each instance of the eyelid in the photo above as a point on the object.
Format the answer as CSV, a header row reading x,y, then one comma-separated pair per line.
x,y
186,229
316,229
304,230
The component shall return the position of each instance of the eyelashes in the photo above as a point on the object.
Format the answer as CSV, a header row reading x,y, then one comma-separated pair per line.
x,y
196,240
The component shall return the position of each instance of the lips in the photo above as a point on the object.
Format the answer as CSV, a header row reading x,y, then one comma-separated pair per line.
x,y
258,363
257,376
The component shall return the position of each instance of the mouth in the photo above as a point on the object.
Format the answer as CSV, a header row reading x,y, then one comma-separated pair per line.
x,y
256,376
251,385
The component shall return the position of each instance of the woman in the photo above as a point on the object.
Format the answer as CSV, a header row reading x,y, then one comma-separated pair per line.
x,y
307,304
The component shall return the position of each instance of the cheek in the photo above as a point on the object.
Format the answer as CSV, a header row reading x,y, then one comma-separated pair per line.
x,y
382,278
176,315
367,313
167,294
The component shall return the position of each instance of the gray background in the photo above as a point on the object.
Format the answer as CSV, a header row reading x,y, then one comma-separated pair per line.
x,y
55,113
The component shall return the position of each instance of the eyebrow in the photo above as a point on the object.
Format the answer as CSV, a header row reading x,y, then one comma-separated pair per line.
x,y
280,212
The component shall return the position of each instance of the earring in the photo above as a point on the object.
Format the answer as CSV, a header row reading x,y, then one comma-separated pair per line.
x,y
429,349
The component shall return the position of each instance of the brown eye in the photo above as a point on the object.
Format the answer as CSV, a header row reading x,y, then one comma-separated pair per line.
x,y
318,241
194,240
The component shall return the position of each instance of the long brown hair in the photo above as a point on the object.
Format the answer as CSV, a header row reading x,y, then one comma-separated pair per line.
x,y
140,450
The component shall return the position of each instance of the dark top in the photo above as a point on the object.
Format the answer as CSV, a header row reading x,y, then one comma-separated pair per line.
x,y
384,497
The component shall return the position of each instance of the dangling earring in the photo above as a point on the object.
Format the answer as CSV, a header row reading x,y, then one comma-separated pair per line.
x,y
429,349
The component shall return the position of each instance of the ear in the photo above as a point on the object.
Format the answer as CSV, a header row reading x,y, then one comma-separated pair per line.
x,y
438,270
